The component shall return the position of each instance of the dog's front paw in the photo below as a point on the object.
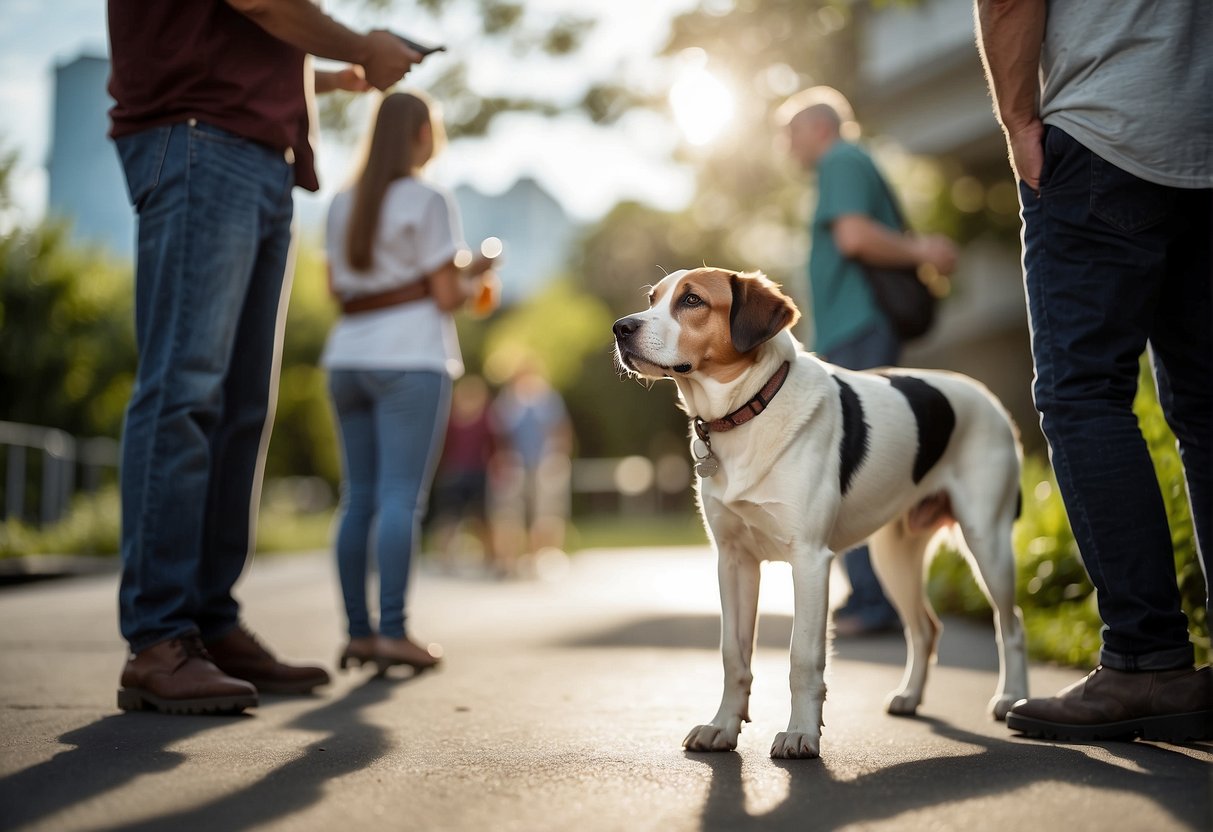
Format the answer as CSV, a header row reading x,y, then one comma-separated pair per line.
x,y
902,704
710,738
793,745
1001,705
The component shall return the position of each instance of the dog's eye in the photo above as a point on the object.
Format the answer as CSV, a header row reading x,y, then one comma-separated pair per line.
x,y
692,299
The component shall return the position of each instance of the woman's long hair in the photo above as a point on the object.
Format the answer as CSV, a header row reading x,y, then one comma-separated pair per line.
x,y
389,156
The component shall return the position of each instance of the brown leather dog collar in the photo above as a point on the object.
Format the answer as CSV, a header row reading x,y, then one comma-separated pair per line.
x,y
760,402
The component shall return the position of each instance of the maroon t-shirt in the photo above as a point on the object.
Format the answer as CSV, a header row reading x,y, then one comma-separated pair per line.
x,y
172,61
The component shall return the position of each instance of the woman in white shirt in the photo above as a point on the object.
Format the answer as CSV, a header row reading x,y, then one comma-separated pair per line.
x,y
393,244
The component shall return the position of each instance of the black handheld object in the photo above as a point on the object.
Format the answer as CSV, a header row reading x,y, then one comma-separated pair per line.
x,y
419,48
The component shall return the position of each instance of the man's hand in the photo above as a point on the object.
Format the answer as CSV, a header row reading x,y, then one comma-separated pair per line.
x,y
938,251
1026,144
1009,38
348,79
388,59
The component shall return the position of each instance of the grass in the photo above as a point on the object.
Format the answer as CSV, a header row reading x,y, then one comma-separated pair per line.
x,y
617,531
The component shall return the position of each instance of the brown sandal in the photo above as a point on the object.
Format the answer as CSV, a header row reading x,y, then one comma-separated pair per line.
x,y
390,652
359,652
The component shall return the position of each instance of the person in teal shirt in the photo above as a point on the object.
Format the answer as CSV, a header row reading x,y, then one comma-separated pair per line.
x,y
856,223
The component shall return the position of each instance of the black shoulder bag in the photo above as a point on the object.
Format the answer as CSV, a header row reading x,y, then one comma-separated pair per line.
x,y
906,301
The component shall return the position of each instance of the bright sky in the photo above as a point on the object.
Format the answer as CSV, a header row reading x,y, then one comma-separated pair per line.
x,y
587,169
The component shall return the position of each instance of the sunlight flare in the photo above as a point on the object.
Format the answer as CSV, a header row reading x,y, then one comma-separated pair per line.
x,y
702,104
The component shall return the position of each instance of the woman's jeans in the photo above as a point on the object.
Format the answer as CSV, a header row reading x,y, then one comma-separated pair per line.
x,y
1113,263
214,236
391,424
875,347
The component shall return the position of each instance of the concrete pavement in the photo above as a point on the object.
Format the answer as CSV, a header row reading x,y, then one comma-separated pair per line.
x,y
561,705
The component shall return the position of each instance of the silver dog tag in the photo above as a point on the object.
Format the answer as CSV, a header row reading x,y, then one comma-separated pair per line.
x,y
700,449
707,467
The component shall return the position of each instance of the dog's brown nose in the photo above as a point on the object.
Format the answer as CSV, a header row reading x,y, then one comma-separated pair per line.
x,y
625,327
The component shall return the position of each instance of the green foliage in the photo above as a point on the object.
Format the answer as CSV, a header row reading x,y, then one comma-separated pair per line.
x,y
303,440
89,528
606,532
1052,586
503,25
67,344
560,325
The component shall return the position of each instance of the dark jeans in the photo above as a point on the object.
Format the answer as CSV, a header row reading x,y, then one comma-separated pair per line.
x,y
1112,264
876,347
214,235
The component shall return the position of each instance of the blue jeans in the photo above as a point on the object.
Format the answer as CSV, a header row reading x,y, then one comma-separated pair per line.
x,y
875,347
1113,263
391,423
214,235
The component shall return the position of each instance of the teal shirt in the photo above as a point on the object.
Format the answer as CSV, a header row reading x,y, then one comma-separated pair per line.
x,y
847,183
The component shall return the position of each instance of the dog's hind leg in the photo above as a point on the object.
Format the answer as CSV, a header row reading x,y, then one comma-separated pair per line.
x,y
739,580
986,541
811,579
898,556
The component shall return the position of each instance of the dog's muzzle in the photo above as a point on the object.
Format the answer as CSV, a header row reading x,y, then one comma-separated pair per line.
x,y
624,329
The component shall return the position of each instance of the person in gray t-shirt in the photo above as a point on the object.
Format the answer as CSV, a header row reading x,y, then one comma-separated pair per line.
x,y
1108,112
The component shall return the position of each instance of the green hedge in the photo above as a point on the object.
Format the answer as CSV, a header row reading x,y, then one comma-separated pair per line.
x,y
1052,586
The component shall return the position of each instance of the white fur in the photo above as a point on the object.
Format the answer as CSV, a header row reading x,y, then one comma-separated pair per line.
x,y
777,497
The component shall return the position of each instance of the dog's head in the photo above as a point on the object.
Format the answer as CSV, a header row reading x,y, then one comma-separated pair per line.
x,y
705,321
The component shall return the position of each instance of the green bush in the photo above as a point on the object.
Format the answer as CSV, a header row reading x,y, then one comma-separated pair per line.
x,y
1052,586
89,528
92,525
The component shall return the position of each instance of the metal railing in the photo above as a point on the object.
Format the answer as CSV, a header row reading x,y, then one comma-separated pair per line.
x,y
62,457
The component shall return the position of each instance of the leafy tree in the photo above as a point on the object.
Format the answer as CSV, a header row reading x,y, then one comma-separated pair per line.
x,y
303,442
67,345
503,25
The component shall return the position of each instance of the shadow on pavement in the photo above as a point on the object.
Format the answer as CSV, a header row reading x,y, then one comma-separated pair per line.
x,y
108,754
967,644
818,799
117,749
349,744
682,632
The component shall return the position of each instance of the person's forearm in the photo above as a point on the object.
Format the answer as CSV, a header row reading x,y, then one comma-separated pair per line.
x,y
305,26
1009,37
863,239
326,81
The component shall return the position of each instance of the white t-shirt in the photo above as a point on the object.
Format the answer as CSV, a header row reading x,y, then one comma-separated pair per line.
x,y
419,232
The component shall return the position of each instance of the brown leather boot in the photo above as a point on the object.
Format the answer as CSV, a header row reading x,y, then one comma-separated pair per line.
x,y
239,654
178,677
1167,706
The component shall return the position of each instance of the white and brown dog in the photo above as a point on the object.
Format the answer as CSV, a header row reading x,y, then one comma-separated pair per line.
x,y
800,460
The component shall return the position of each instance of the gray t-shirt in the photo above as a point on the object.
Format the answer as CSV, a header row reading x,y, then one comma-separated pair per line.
x,y
1132,81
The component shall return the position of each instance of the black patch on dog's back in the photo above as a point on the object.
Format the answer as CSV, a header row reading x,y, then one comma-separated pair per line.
x,y
934,416
854,445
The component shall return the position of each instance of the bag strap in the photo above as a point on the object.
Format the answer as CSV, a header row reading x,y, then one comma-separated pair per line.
x,y
893,200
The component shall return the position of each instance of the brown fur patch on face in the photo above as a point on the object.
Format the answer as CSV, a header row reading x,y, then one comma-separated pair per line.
x,y
701,302
760,311
723,316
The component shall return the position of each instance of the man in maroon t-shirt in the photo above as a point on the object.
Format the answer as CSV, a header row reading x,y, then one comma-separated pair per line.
x,y
212,124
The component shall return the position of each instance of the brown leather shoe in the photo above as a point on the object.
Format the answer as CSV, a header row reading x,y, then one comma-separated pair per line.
x,y
178,677
390,652
358,652
239,654
1167,706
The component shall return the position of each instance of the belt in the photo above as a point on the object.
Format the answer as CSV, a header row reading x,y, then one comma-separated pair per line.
x,y
407,293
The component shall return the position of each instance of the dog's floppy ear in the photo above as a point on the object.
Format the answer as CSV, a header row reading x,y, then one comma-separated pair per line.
x,y
760,310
